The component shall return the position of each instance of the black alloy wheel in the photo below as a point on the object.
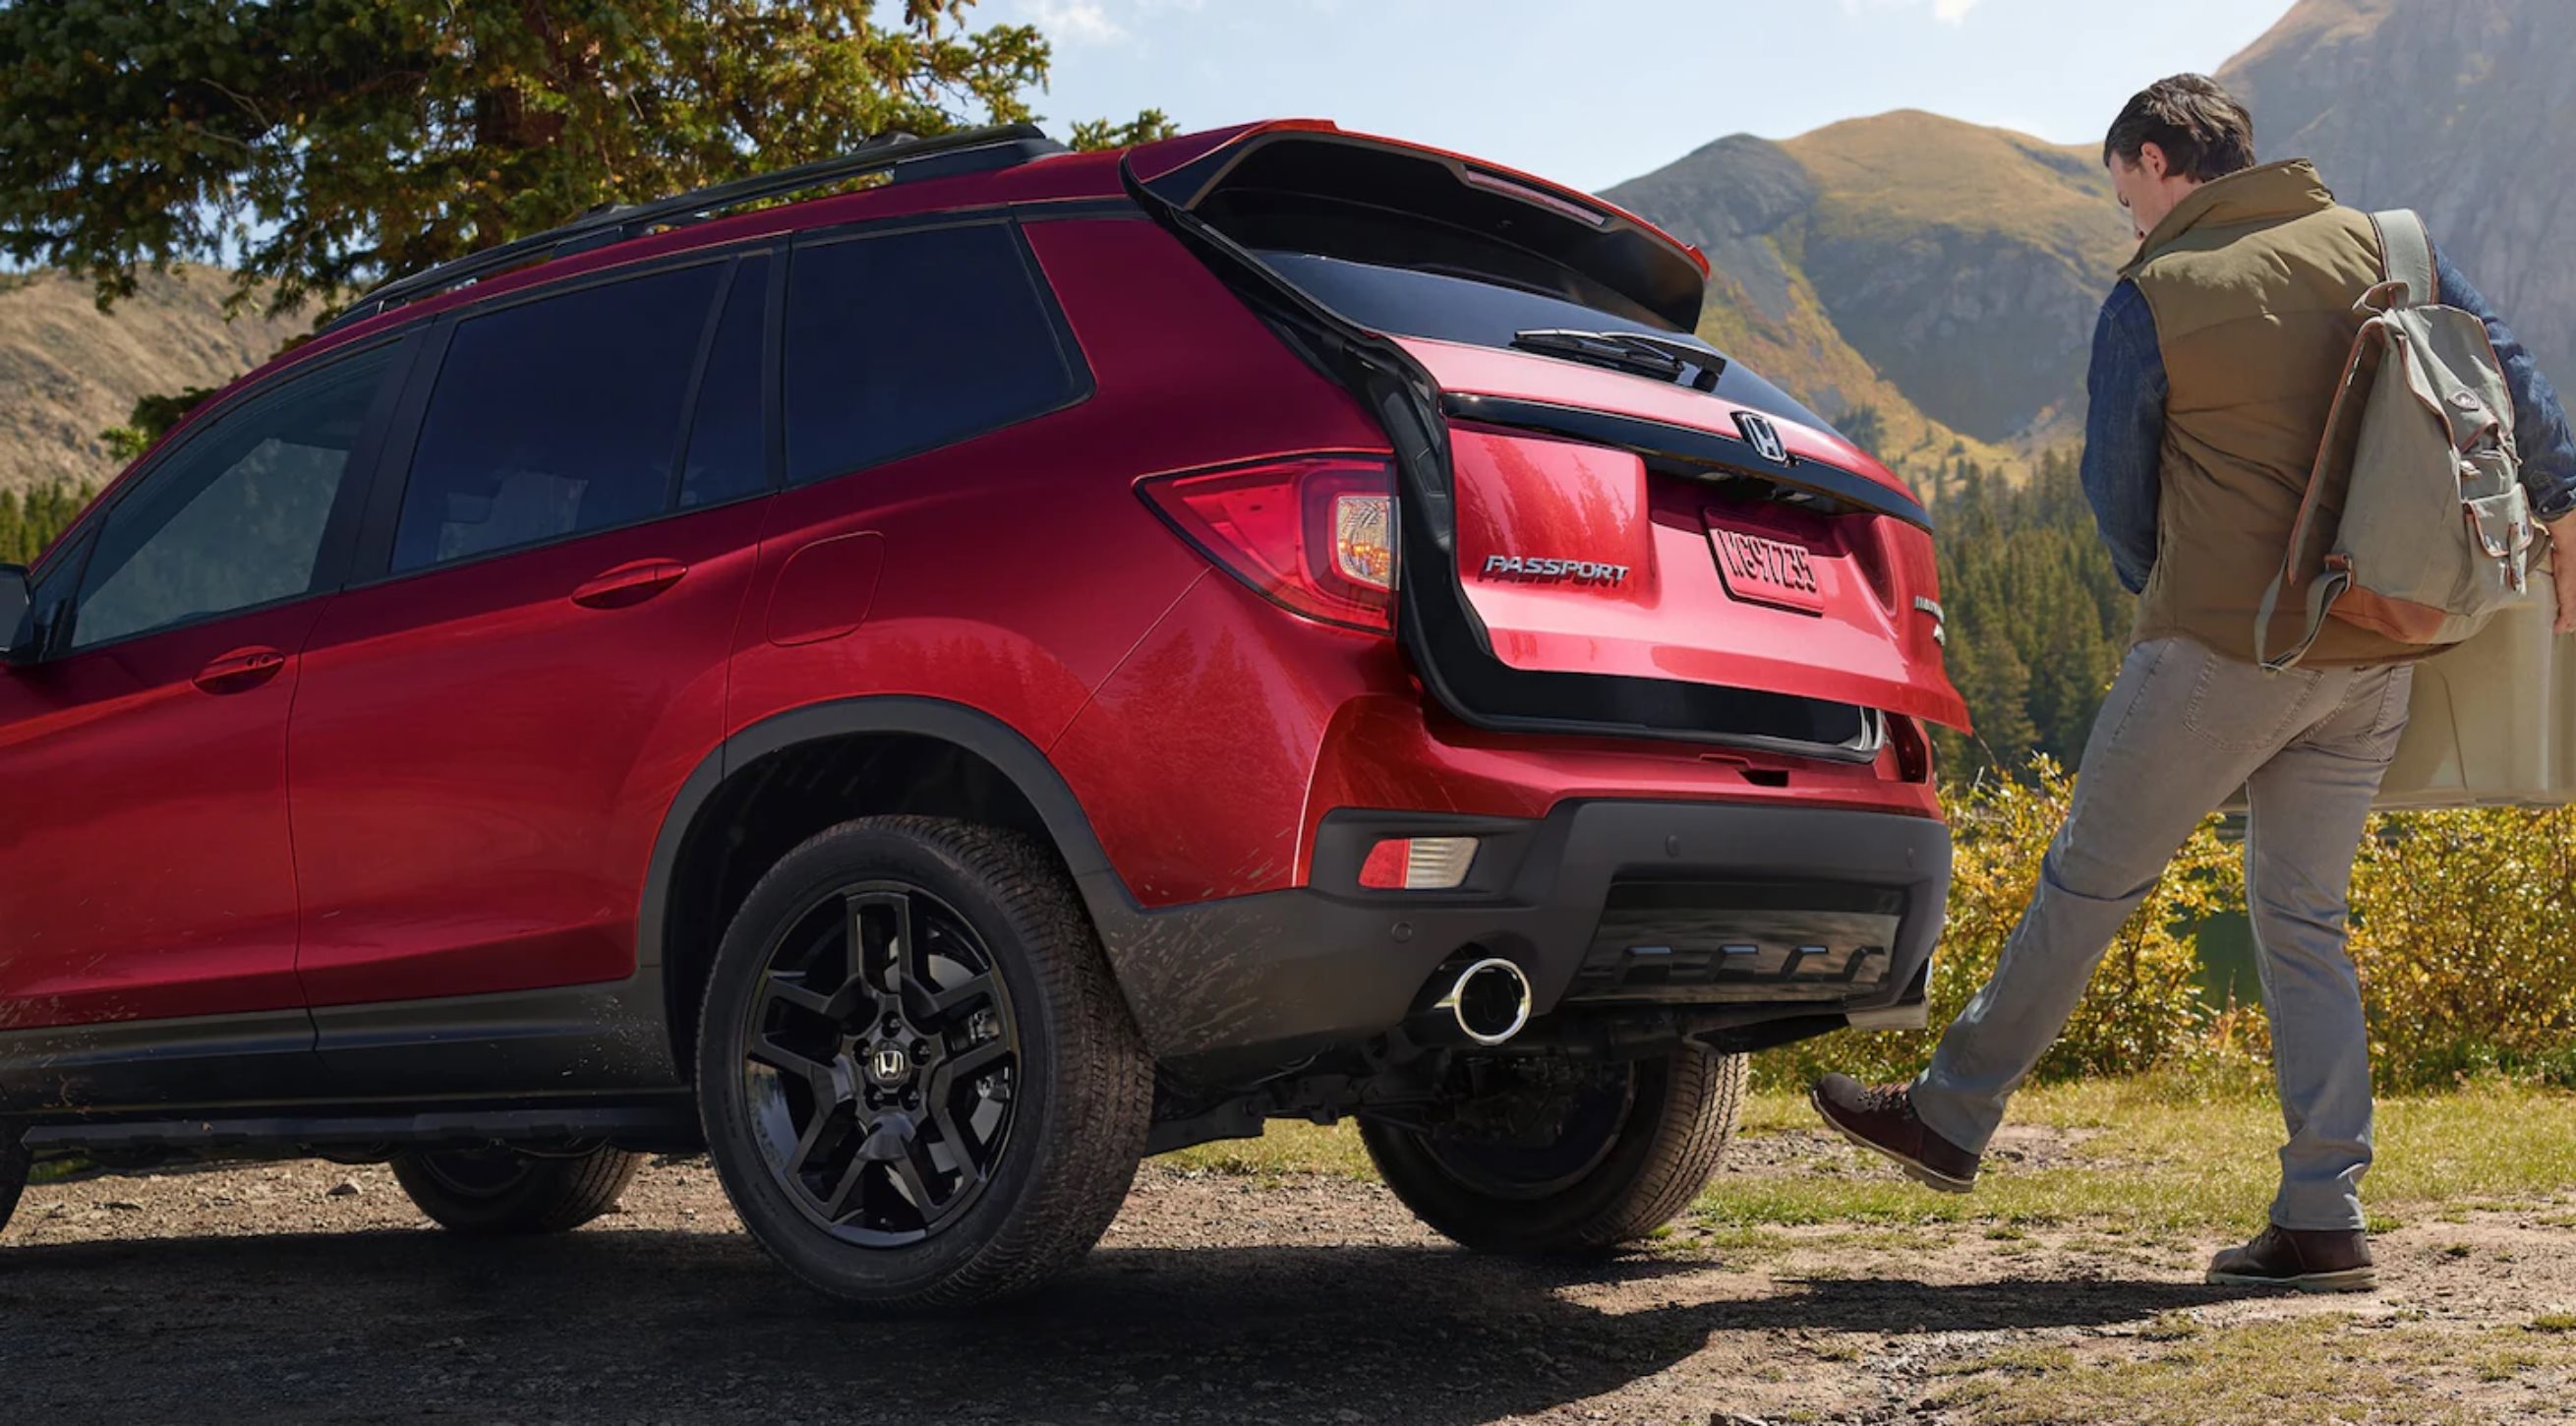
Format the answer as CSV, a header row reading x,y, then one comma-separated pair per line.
x,y
919,1081
879,1064
475,1173
1558,1159
15,1165
1585,1116
498,1190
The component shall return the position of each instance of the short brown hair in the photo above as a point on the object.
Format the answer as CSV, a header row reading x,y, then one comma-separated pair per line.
x,y
2203,131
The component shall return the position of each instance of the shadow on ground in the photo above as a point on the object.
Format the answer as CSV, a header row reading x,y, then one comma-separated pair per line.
x,y
665,1326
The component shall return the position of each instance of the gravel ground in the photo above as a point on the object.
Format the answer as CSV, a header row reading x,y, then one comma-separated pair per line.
x,y
309,1292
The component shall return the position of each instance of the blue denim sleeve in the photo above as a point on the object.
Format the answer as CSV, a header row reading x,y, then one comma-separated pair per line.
x,y
2539,423
2124,432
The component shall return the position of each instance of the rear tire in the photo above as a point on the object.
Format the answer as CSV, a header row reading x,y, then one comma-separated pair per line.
x,y
920,1085
503,1192
1631,1153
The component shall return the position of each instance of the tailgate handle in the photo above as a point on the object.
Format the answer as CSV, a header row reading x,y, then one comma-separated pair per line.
x,y
240,669
629,584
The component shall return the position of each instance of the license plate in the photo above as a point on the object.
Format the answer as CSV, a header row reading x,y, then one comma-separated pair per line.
x,y
1761,571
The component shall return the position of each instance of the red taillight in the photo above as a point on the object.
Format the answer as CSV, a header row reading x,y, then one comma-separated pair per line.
x,y
1315,534
1913,750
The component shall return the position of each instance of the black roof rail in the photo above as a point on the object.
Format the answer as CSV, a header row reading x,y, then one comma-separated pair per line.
x,y
900,154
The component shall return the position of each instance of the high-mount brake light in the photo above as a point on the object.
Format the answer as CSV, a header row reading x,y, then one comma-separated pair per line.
x,y
1313,534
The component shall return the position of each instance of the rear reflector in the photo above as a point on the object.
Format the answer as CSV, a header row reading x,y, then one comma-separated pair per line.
x,y
1418,864
1314,534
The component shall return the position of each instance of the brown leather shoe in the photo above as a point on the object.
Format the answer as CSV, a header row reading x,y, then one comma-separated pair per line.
x,y
1882,1121
2309,1259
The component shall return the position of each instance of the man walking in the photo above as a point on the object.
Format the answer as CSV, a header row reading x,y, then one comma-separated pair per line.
x,y
2214,365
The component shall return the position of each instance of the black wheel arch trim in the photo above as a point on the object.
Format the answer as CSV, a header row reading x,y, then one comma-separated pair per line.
x,y
982,734
1009,751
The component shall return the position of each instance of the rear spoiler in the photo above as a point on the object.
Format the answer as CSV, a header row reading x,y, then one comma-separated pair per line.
x,y
1293,173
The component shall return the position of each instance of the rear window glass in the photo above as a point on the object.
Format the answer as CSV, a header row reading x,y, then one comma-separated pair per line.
x,y
1413,302
903,342
726,458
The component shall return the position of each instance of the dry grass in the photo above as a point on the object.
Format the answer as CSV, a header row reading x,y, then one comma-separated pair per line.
x,y
68,372
2317,1368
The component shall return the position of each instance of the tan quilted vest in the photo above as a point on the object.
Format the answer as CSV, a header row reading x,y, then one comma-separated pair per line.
x,y
2253,280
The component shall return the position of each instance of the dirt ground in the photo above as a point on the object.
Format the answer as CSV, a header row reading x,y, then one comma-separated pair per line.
x,y
309,1292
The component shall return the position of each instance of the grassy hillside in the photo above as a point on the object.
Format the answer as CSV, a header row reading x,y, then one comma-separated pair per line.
x,y
69,371
1939,275
1965,263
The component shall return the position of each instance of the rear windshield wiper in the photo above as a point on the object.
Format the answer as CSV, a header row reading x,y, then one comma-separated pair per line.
x,y
1640,353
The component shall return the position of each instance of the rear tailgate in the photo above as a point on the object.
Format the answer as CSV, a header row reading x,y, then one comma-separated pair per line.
x,y
1581,548
1611,525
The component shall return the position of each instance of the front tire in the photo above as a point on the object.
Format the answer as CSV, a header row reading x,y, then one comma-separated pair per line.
x,y
919,1083
15,1165
504,1192
1624,1151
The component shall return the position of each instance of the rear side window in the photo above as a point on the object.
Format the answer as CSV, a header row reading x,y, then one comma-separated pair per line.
x,y
556,417
726,455
906,341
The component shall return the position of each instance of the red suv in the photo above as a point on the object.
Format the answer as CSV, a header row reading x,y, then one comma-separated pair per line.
x,y
935,692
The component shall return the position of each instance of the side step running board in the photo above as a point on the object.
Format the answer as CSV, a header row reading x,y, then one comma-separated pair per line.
x,y
636,1126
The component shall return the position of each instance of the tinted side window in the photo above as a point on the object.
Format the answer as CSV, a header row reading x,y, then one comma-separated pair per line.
x,y
726,456
235,517
899,343
554,417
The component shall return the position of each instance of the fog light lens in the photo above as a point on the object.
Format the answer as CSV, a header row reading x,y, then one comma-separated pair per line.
x,y
1418,864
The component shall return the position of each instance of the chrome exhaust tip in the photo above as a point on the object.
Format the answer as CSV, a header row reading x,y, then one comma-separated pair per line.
x,y
1489,1001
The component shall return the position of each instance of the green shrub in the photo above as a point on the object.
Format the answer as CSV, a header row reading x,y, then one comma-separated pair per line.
x,y
2464,929
2142,1009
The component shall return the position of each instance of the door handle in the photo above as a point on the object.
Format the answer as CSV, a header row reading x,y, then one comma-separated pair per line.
x,y
629,584
240,669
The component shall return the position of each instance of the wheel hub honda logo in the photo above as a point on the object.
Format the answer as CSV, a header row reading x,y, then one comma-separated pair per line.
x,y
1763,437
889,1064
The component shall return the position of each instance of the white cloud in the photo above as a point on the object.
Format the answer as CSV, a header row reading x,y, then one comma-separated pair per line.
x,y
1082,22
1948,12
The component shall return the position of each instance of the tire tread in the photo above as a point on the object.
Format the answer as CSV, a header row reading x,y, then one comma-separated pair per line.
x,y
1103,1104
1625,1199
561,1194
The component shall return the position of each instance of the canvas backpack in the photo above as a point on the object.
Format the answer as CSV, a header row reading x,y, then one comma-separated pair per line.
x,y
2415,524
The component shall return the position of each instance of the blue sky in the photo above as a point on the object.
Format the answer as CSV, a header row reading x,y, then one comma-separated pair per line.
x,y
1589,92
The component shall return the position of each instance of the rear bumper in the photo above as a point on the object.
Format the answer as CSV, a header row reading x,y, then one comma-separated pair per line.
x,y
1736,915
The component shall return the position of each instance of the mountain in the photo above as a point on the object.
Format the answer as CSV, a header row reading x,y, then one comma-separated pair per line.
x,y
1941,274
2464,110
70,371
1944,276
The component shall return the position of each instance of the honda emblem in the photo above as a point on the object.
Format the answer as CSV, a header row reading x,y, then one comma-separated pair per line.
x,y
1762,436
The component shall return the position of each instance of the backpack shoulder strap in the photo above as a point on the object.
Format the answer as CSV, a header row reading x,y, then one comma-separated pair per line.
x,y
2406,255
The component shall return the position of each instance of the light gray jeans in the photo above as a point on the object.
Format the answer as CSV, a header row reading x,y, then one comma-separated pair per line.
x,y
2182,729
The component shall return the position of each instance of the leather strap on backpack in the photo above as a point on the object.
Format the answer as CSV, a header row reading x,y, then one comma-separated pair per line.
x,y
2406,263
2406,255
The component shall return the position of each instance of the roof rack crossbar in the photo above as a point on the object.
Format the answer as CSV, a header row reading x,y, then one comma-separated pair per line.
x,y
602,226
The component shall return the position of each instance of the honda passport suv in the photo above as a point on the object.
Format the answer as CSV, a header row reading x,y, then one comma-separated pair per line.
x,y
934,692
